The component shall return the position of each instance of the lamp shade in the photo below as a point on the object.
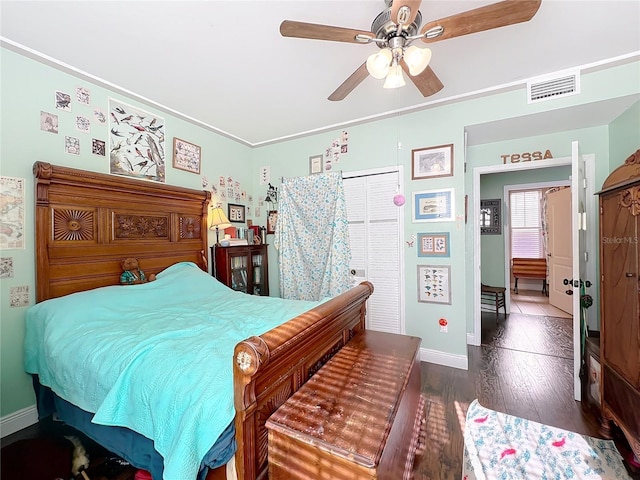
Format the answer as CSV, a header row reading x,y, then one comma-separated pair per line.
x,y
417,59
395,79
378,63
217,219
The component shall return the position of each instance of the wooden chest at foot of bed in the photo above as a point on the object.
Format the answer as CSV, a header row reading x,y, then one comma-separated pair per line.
x,y
360,416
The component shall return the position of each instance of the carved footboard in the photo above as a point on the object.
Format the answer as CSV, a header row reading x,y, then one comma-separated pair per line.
x,y
268,369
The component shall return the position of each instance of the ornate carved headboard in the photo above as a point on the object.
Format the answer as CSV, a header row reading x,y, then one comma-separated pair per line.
x,y
87,222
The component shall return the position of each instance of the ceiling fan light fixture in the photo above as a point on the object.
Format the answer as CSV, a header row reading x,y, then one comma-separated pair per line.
x,y
378,63
417,59
395,79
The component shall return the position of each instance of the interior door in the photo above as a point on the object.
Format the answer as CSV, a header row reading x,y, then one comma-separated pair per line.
x,y
578,282
560,254
376,250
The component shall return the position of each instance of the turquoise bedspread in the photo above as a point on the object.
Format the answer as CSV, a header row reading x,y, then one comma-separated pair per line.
x,y
155,357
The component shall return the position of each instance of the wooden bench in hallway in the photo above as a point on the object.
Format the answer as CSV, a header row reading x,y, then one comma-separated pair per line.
x,y
530,268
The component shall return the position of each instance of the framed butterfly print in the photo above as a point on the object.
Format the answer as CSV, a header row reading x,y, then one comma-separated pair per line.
x,y
434,284
433,244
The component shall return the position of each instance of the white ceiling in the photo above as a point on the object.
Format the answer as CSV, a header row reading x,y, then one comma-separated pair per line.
x,y
225,64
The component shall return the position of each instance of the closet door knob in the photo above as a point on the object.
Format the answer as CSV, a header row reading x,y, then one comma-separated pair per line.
x,y
629,274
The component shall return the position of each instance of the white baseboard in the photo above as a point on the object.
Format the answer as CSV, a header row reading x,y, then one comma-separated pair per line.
x,y
16,421
443,358
472,339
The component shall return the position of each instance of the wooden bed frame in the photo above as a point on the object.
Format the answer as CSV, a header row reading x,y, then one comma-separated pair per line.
x,y
87,223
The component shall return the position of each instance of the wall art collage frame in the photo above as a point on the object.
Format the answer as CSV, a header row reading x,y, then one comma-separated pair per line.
x,y
430,206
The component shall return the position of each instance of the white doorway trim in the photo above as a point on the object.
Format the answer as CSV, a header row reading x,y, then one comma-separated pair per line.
x,y
474,338
507,231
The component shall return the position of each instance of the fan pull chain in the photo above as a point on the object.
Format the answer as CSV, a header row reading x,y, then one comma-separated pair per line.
x,y
398,198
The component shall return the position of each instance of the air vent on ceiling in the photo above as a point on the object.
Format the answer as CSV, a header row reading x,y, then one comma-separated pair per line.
x,y
553,86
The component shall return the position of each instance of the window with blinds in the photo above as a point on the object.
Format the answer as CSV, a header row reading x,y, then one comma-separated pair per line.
x,y
526,224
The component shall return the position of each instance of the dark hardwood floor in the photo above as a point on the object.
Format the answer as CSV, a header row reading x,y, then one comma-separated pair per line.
x,y
523,368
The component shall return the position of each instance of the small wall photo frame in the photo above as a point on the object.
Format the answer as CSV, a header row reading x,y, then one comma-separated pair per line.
x,y
434,284
432,162
433,244
235,213
433,206
272,220
186,156
491,217
315,164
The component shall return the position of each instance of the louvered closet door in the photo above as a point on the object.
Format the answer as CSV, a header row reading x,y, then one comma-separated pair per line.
x,y
374,235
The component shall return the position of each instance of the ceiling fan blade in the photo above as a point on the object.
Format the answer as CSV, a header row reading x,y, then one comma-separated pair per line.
x,y
414,5
484,18
350,83
427,82
290,28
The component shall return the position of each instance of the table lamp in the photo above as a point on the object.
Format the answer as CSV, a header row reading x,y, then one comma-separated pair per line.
x,y
218,220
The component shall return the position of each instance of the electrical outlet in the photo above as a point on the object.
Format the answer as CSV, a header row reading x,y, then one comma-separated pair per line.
x,y
443,329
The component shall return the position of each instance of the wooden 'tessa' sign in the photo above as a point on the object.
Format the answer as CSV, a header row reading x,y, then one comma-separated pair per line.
x,y
526,156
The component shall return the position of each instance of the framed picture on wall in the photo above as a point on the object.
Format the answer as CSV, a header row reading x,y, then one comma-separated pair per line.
x,y
434,284
235,213
315,164
272,220
186,156
432,162
433,244
490,217
433,206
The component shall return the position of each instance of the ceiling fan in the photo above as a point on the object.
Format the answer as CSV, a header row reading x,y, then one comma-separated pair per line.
x,y
396,28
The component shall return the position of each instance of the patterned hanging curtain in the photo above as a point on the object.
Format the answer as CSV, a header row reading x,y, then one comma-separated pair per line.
x,y
312,237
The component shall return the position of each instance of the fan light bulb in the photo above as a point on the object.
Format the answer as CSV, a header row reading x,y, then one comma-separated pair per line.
x,y
395,79
417,59
378,63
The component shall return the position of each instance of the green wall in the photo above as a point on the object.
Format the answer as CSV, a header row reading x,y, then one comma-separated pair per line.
x,y
27,87
624,136
372,145
493,255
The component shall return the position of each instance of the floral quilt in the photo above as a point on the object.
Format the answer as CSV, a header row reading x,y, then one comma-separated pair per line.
x,y
504,447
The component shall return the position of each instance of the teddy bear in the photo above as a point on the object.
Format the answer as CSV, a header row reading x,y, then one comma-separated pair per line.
x,y
132,273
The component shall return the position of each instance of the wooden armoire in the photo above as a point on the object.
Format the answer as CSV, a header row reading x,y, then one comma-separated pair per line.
x,y
620,299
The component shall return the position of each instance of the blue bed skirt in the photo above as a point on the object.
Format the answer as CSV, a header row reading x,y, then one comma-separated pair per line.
x,y
135,448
